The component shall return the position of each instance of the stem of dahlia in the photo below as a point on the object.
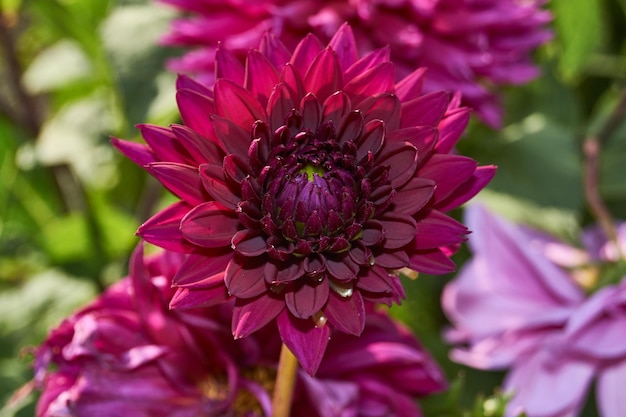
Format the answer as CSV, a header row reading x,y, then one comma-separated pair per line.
x,y
592,147
285,383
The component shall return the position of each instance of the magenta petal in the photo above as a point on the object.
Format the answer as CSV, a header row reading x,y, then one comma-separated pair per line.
x,y
392,260
433,262
250,315
336,107
306,300
212,177
200,148
228,66
385,107
210,225
401,158
274,50
324,76
377,80
371,139
200,271
410,87
233,138
139,153
307,341
439,168
182,180
186,298
237,105
344,45
279,105
346,313
610,390
245,279
469,189
437,229
163,143
305,53
163,229
376,281
249,243
414,195
426,110
261,76
185,82
343,269
451,128
400,229
195,110
369,61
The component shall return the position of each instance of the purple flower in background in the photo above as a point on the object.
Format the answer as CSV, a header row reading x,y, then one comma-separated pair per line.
x,y
519,303
306,181
127,354
468,46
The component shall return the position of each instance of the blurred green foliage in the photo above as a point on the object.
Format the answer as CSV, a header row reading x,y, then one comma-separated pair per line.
x,y
75,72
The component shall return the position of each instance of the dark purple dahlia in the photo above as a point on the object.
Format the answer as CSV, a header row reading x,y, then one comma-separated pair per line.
x,y
128,354
306,181
471,46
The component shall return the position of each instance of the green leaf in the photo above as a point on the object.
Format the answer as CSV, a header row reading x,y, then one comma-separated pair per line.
x,y
66,239
581,31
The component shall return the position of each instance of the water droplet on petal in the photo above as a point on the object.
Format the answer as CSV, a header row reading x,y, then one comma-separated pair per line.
x,y
319,319
344,290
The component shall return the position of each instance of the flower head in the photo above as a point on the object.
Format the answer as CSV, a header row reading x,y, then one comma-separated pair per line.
x,y
520,304
127,354
469,46
305,181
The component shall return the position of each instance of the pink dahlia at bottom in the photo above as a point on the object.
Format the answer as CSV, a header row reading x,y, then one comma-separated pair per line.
x,y
306,181
128,354
468,46
520,303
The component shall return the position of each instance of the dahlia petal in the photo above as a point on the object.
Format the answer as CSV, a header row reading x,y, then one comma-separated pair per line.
x,y
324,76
163,229
451,128
195,109
392,260
200,271
200,149
244,278
371,140
210,225
410,87
377,80
291,78
182,180
305,52
236,168
139,153
373,233
187,298
249,243
250,315
426,110
350,127
413,195
469,189
283,273
423,138
610,390
376,281
343,269
369,61
279,105
214,181
346,314
336,107
274,50
228,66
162,141
344,44
433,262
307,341
237,105
185,82
234,139
261,76
311,112
399,229
401,158
437,229
306,300
439,168
385,107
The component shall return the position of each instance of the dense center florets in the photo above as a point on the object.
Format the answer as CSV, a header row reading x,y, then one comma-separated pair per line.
x,y
312,193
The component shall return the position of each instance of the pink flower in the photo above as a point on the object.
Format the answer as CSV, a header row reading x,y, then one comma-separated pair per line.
x,y
469,46
515,306
127,354
305,181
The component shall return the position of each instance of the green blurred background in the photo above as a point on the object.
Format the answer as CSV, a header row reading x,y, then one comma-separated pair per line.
x,y
75,72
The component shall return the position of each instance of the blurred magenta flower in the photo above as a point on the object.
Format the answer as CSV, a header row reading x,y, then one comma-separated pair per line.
x,y
306,181
127,354
468,46
519,303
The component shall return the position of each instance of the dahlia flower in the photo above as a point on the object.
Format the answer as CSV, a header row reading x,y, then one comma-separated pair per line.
x,y
128,354
520,304
470,46
305,181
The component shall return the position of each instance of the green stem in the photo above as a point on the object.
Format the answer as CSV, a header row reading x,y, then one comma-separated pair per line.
x,y
285,383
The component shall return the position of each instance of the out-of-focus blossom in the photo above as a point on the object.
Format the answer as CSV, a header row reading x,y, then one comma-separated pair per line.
x,y
520,303
469,46
306,181
127,354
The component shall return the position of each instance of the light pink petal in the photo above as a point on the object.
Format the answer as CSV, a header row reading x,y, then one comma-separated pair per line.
x,y
610,390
